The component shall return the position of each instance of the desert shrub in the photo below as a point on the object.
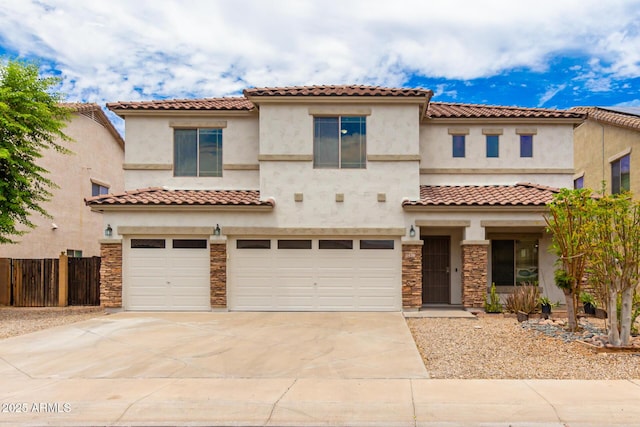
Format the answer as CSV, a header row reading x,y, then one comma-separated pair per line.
x,y
524,298
493,305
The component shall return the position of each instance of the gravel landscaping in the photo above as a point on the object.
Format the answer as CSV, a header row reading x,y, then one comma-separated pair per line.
x,y
23,320
497,347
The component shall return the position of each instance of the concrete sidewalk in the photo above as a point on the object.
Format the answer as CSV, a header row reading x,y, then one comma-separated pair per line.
x,y
271,369
317,402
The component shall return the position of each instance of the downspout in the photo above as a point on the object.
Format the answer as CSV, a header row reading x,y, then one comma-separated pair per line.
x,y
596,121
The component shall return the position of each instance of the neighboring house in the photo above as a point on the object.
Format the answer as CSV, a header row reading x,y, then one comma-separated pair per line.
x,y
603,150
93,168
330,198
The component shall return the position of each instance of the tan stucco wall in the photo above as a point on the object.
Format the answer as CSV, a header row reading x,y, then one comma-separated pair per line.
x,y
591,154
96,155
551,164
152,144
288,130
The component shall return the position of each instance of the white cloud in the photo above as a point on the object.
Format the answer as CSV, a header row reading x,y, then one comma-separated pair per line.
x,y
128,50
550,93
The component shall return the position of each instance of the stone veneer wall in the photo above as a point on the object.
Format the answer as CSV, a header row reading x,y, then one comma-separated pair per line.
x,y
474,274
218,274
111,274
412,275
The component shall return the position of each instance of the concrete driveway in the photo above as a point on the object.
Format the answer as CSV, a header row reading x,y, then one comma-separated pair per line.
x,y
271,369
221,345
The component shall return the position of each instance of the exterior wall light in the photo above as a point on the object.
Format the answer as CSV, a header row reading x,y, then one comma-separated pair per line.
x,y
412,232
108,232
217,230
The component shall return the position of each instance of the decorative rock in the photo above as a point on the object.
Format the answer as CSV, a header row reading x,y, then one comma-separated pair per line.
x,y
556,329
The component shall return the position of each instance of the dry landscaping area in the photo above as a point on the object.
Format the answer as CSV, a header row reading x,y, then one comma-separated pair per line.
x,y
23,320
497,347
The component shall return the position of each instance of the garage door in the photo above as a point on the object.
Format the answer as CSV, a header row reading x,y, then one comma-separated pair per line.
x,y
166,273
315,274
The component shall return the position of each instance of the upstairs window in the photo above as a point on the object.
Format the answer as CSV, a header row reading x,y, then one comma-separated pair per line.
x,y
493,147
340,142
621,174
526,145
197,152
98,190
458,145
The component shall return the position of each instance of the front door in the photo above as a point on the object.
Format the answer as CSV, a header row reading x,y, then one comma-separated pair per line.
x,y
435,270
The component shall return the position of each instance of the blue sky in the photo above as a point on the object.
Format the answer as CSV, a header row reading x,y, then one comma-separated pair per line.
x,y
551,54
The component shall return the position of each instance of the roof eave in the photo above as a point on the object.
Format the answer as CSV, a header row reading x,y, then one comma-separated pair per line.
x,y
123,112
474,208
325,99
178,208
503,120
609,122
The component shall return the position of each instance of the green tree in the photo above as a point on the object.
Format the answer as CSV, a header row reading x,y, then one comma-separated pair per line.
x,y
614,260
31,121
570,213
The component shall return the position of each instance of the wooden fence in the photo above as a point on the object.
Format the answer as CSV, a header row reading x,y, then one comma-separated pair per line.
x,y
35,282
84,281
50,282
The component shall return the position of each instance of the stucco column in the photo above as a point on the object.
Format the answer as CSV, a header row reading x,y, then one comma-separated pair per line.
x,y
111,273
412,274
218,272
475,265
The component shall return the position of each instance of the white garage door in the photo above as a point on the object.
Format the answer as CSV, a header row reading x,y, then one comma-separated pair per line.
x,y
166,273
315,274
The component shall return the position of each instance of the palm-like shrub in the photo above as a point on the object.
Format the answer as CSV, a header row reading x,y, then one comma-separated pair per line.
x,y
524,298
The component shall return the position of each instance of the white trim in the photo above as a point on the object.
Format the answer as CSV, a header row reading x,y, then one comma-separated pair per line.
x,y
619,155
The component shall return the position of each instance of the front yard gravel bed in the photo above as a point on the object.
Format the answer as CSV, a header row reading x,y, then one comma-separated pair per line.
x,y
497,347
23,320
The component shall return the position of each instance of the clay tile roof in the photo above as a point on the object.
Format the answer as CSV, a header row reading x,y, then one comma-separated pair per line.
x,y
205,104
337,90
164,197
80,107
617,118
521,194
438,110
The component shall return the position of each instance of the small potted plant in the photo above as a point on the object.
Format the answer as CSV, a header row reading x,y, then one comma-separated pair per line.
x,y
545,306
589,303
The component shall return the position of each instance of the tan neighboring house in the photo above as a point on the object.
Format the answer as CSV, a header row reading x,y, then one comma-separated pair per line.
x,y
331,198
94,167
604,148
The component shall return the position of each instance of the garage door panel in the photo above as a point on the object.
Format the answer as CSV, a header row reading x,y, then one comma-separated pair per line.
x,y
167,278
314,279
299,302
337,303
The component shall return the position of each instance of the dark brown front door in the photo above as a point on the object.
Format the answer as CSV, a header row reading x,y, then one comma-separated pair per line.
x,y
435,270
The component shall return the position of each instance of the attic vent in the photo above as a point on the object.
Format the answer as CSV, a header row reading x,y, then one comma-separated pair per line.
x,y
93,116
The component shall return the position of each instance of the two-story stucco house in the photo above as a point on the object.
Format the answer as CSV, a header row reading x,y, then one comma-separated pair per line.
x,y
94,167
330,198
603,150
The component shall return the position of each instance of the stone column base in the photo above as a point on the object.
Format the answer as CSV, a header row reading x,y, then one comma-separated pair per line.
x,y
475,256
412,274
111,273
